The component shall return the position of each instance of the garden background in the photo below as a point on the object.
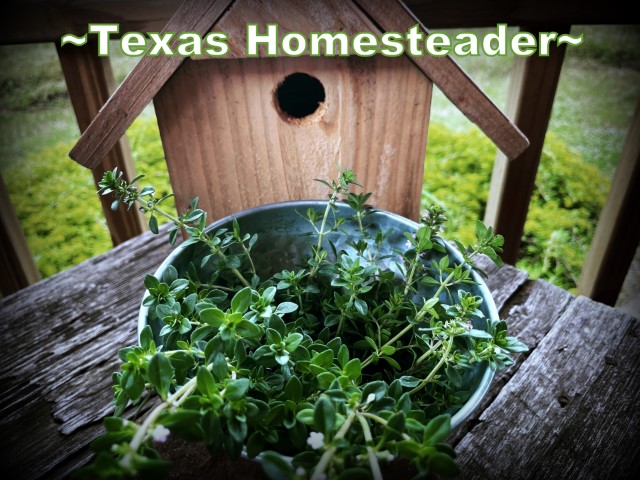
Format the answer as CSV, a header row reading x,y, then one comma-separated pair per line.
x,y
60,213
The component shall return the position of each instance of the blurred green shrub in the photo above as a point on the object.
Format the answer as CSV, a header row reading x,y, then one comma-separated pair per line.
x,y
564,209
56,202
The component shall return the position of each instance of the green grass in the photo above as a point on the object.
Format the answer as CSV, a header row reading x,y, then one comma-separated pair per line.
x,y
597,93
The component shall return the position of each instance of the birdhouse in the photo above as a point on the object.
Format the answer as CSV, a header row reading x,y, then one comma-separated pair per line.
x,y
240,131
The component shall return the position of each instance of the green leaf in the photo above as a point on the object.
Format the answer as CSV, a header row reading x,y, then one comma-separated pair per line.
x,y
286,307
353,369
247,329
408,381
325,379
361,306
205,382
178,285
293,341
219,368
481,231
395,426
511,344
241,300
160,373
293,389
153,224
387,350
371,342
343,355
116,424
324,415
151,282
255,444
278,325
148,190
185,423
437,430
474,332
236,389
442,464
276,467
146,338
273,336
133,383
323,359
213,316
378,388
237,428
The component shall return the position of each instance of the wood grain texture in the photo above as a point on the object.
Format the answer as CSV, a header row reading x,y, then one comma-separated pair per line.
x,y
503,281
226,141
571,410
90,82
451,79
16,262
301,16
618,231
142,84
60,339
530,313
532,90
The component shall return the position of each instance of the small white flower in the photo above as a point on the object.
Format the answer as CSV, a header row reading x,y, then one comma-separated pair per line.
x,y
160,433
386,455
370,398
316,440
300,472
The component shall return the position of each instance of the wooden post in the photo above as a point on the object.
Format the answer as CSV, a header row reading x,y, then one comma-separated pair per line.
x,y
16,262
618,231
531,92
90,82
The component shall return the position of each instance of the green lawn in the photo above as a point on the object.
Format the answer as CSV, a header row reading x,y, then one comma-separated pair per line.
x,y
598,91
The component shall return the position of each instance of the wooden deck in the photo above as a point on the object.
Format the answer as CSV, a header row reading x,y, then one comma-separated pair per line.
x,y
569,408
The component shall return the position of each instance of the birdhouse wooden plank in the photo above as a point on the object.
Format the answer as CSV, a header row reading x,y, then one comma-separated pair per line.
x,y
246,132
240,131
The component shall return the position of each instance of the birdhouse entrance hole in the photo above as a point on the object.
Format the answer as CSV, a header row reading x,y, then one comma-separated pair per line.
x,y
300,98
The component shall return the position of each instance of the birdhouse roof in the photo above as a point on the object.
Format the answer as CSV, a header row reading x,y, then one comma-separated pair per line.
x,y
232,16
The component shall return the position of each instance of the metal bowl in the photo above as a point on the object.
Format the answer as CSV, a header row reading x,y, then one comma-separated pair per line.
x,y
281,229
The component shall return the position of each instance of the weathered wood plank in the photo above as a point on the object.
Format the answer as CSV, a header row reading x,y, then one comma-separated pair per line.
x,y
572,409
532,89
90,82
451,79
69,327
503,281
142,84
16,262
618,231
530,314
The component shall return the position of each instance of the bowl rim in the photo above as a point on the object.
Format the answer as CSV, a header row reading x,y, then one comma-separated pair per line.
x,y
483,385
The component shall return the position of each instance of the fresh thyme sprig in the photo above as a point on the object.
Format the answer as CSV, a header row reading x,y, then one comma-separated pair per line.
x,y
330,368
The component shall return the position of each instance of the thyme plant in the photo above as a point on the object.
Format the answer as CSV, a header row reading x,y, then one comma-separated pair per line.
x,y
329,369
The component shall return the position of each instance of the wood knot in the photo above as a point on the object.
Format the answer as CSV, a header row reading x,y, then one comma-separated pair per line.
x,y
563,400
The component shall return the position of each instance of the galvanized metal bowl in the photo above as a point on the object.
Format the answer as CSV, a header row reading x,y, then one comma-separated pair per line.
x,y
283,240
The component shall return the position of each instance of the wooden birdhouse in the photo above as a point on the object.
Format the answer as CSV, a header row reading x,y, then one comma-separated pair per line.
x,y
242,131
